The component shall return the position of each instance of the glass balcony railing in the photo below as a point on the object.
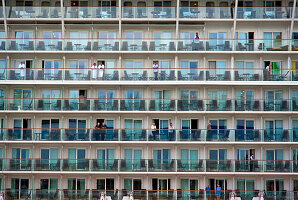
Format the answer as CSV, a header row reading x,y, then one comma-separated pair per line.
x,y
110,134
150,165
264,12
248,13
28,12
205,13
158,105
147,45
144,194
90,12
55,12
147,74
149,12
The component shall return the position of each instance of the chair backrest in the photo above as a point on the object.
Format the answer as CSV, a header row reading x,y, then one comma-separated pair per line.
x,y
207,75
201,75
180,75
152,105
124,46
152,46
95,46
116,46
68,46
227,76
144,46
2,47
180,46
172,46
31,45
59,45
88,47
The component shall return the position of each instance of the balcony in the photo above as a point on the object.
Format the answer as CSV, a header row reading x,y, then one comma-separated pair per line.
x,y
154,105
198,13
169,135
145,45
250,13
151,165
149,13
146,74
55,12
142,194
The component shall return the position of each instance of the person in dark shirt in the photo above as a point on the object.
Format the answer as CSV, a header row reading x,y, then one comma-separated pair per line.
x,y
232,9
96,132
98,126
103,126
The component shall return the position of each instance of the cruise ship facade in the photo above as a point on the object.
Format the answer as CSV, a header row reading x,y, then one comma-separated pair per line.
x,y
155,99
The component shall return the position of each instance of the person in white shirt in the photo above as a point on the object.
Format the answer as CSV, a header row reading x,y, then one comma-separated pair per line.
x,y
94,71
22,68
155,70
171,132
101,68
268,68
153,129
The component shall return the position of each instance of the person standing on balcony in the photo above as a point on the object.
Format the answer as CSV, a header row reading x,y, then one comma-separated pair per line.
x,y
208,192
267,72
209,131
22,68
251,163
171,132
101,68
196,38
97,133
94,71
103,133
232,9
218,192
196,41
153,129
155,70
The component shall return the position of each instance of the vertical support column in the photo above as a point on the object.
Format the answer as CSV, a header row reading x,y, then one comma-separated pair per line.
x,y
204,101
176,66
119,129
292,20
234,25
289,72
90,160
120,19
62,19
5,18
232,68
176,157
177,19
290,129
148,127
204,159
262,129
233,130
205,67
176,127
32,186
89,187
120,67
61,189
7,65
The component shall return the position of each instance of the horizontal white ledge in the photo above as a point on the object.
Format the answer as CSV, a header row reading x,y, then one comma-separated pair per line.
x,y
151,173
149,83
149,112
151,142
